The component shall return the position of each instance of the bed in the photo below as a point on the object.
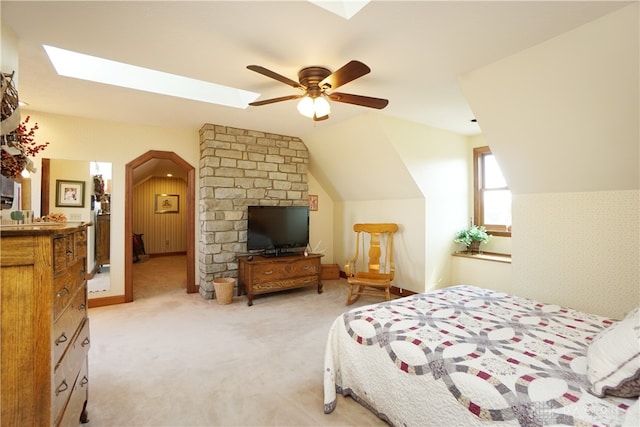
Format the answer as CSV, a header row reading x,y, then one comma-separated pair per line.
x,y
471,356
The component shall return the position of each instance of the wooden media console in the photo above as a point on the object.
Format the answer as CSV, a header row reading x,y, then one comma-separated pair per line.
x,y
261,275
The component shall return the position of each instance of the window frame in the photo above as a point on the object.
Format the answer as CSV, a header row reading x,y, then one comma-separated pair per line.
x,y
479,154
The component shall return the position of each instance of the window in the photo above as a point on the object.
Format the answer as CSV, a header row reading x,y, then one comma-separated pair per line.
x,y
492,198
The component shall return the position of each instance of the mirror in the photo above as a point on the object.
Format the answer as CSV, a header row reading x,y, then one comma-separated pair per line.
x,y
95,208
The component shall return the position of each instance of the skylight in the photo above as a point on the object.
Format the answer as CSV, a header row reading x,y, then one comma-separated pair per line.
x,y
100,70
346,8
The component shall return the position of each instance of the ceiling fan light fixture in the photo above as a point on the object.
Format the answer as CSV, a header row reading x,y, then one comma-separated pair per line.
x,y
310,107
305,106
321,106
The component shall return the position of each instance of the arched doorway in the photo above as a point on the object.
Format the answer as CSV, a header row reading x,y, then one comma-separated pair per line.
x,y
128,218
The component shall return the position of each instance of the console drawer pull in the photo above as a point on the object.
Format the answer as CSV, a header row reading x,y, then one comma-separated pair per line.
x,y
82,307
62,338
62,387
268,272
62,292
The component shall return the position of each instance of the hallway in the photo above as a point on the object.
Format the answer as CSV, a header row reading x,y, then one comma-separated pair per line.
x,y
159,275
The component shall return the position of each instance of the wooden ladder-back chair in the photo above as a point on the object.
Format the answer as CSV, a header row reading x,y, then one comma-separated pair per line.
x,y
367,273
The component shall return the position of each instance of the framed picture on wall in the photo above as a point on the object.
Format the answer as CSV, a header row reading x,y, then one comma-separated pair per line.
x,y
167,203
69,194
313,202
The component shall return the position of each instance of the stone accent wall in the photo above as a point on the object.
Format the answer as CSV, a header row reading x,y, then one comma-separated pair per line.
x,y
238,168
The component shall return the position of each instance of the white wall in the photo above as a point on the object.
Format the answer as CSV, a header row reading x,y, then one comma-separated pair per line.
x,y
493,275
383,169
437,162
579,250
564,116
563,119
409,253
321,222
74,138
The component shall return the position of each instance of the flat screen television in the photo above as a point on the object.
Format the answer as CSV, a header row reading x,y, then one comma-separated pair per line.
x,y
277,230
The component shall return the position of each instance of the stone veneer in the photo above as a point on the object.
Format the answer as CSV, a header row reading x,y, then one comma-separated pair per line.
x,y
238,168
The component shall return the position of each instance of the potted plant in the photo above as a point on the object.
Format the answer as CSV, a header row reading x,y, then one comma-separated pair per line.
x,y
472,237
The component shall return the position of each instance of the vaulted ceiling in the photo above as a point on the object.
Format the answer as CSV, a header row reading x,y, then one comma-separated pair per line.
x,y
416,50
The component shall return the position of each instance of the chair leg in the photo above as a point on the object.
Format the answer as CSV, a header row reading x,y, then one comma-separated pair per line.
x,y
388,293
351,298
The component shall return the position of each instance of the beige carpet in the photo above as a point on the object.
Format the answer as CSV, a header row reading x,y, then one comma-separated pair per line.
x,y
174,359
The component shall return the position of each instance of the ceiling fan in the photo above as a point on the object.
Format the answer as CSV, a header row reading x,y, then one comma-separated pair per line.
x,y
317,84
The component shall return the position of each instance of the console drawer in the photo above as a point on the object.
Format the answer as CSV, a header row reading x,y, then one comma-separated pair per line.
x,y
284,270
281,284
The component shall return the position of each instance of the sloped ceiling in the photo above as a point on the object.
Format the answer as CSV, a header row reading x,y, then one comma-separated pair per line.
x,y
355,160
416,50
157,168
563,116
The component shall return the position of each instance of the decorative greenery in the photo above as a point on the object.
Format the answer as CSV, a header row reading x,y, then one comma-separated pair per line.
x,y
472,234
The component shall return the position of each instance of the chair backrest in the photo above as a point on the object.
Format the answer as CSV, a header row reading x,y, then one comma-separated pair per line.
x,y
374,251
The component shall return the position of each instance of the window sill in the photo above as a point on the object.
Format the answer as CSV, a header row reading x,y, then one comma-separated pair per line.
x,y
486,256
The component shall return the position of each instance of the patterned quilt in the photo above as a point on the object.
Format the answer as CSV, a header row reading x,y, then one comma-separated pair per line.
x,y
468,356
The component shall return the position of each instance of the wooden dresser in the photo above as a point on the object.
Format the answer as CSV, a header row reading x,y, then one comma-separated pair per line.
x,y
45,329
260,275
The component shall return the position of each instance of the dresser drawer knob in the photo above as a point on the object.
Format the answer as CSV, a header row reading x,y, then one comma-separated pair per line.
x,y
266,273
62,338
62,387
82,307
69,251
86,341
62,292
84,381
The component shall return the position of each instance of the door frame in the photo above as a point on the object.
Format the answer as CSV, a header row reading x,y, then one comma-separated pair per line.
x,y
128,218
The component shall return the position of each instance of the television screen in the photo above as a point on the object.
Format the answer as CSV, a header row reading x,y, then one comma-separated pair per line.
x,y
277,229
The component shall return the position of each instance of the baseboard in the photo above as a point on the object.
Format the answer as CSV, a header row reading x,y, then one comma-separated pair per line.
x,y
101,302
394,289
166,254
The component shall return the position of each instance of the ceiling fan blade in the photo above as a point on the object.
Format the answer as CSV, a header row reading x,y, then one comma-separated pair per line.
x,y
365,101
347,73
318,119
275,76
272,100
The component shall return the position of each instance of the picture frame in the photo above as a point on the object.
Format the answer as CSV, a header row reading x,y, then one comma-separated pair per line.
x,y
167,203
313,202
69,194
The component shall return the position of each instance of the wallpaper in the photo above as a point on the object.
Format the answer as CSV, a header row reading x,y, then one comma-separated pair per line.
x,y
578,249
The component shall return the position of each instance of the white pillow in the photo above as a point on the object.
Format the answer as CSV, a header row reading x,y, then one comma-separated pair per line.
x,y
613,358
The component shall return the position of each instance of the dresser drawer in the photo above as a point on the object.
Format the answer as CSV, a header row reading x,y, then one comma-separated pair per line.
x,y
79,396
65,287
68,370
282,270
80,244
66,327
59,254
